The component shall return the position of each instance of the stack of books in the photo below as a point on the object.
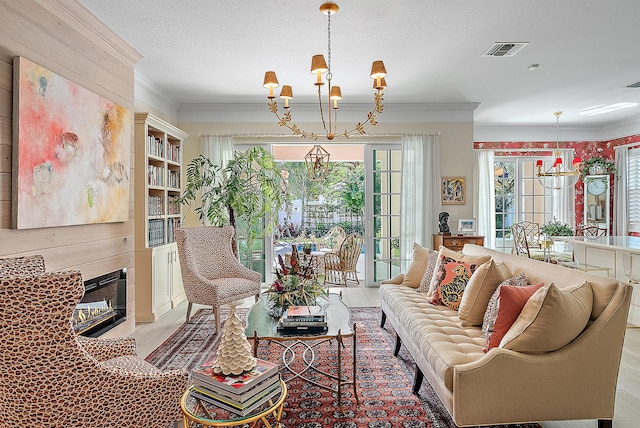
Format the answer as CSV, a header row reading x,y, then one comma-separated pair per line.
x,y
240,394
303,319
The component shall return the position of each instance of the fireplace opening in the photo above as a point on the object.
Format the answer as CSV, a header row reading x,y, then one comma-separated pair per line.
x,y
103,305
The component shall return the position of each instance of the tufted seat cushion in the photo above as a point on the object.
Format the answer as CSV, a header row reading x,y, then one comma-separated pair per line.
x,y
436,329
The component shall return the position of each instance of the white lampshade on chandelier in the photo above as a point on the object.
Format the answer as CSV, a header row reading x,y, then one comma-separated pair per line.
x,y
319,67
558,176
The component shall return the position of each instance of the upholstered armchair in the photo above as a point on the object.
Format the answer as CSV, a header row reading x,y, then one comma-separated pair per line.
x,y
340,265
49,377
25,265
211,273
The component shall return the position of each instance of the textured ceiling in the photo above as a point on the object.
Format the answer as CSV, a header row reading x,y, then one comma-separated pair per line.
x,y
199,51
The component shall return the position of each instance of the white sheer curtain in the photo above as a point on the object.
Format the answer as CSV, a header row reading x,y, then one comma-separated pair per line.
x,y
564,205
484,204
219,150
620,218
420,189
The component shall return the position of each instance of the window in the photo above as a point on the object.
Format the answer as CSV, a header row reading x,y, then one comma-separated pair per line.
x,y
633,190
519,196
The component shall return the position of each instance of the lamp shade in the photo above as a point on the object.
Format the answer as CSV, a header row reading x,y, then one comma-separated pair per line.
x,y
378,70
286,92
381,86
336,94
318,64
270,79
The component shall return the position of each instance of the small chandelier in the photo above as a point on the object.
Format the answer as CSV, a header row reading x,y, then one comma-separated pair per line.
x,y
558,177
319,67
317,161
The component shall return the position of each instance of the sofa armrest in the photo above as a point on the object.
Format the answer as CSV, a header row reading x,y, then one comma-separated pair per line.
x,y
574,382
397,280
107,348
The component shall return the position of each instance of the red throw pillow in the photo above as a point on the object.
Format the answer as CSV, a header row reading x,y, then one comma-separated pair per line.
x,y
512,300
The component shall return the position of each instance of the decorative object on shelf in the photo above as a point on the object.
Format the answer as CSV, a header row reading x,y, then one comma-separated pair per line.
x,y
558,177
318,67
307,247
556,228
598,165
295,285
443,223
234,354
317,161
453,190
467,226
248,191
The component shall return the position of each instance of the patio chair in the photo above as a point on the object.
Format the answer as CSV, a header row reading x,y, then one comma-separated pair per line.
x,y
332,240
53,378
340,266
211,273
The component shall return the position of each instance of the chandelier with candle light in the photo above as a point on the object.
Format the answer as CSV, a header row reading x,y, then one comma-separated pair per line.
x,y
558,176
319,67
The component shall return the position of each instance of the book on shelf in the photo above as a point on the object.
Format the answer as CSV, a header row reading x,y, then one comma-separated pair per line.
x,y
243,409
236,384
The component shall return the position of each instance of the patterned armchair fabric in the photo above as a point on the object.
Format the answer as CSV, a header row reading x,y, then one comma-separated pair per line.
x,y
27,265
211,274
49,377
340,266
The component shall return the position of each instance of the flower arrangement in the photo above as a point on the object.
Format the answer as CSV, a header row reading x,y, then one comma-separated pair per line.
x,y
555,228
294,285
600,164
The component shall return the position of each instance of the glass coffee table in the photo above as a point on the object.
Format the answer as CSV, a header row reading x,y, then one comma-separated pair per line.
x,y
301,347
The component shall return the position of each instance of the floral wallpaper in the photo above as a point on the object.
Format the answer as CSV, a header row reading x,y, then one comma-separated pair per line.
x,y
583,149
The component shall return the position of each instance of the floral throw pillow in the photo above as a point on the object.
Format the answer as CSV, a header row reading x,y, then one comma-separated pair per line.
x,y
490,315
452,277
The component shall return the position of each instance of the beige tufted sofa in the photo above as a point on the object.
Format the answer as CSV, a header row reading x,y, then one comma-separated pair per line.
x,y
503,386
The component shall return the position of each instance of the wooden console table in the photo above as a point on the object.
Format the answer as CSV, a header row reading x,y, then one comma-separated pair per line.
x,y
456,242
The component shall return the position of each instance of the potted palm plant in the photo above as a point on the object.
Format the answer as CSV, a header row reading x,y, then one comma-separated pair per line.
x,y
246,193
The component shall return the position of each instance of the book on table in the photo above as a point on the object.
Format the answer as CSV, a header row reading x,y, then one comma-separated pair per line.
x,y
235,384
242,397
310,313
242,409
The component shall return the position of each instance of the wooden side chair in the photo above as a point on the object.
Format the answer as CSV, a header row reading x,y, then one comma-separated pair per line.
x,y
340,266
590,230
527,240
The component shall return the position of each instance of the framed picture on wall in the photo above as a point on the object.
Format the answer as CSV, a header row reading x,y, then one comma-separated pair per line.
x,y
454,191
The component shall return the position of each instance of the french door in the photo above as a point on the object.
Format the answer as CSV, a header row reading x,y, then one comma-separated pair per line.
x,y
382,212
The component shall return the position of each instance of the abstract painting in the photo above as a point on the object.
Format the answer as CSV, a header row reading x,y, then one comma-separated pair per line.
x,y
71,152
453,191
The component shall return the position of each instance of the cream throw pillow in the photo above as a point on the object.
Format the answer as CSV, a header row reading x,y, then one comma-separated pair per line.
x,y
457,256
551,319
425,282
416,269
479,290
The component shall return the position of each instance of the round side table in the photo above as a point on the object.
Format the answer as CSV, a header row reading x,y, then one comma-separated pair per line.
x,y
197,411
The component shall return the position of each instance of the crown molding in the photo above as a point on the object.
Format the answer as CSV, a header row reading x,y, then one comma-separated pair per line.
x,y
151,94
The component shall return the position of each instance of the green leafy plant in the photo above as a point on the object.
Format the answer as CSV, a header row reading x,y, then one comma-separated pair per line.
x,y
556,228
245,194
608,165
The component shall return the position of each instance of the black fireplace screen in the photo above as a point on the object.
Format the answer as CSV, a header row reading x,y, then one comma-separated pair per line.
x,y
103,305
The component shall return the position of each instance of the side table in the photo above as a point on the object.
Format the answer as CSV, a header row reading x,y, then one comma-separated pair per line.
x,y
196,411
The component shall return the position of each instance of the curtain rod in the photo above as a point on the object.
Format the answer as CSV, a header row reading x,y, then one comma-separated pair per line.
x,y
240,135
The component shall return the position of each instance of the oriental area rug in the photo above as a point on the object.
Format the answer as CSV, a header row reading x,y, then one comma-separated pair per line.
x,y
384,382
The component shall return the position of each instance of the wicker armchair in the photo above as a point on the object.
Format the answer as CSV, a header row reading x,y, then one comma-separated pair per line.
x,y
340,266
211,274
49,377
332,240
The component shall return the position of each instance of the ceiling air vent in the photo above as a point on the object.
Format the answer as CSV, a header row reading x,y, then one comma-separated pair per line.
x,y
505,49
634,85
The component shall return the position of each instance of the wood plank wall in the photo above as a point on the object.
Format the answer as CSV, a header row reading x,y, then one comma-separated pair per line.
x,y
64,37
